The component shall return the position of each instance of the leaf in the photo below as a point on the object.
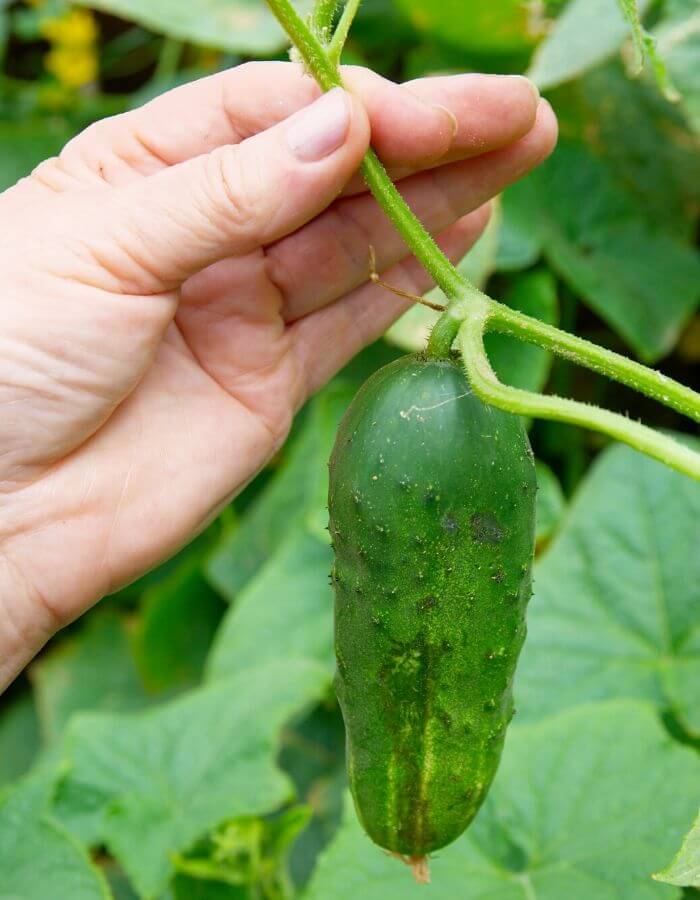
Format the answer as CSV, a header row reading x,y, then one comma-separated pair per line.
x,y
312,752
583,807
586,34
685,868
499,26
519,245
285,612
641,279
239,26
248,852
518,363
172,774
23,145
176,628
644,141
616,611
678,44
20,740
38,858
550,504
93,670
296,493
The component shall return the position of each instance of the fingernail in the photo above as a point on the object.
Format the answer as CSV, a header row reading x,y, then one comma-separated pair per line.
x,y
454,125
321,128
531,84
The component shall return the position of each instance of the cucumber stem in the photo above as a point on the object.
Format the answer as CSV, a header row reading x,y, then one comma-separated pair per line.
x,y
468,302
488,388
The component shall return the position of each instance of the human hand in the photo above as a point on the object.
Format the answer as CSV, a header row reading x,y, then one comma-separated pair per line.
x,y
180,280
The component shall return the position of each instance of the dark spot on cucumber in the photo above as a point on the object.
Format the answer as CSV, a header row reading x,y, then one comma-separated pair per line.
x,y
486,529
499,576
490,705
431,495
449,524
427,603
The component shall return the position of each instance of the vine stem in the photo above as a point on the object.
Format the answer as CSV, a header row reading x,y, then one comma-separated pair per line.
x,y
468,303
340,35
322,18
488,388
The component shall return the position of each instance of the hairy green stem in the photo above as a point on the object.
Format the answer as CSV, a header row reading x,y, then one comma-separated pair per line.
x,y
469,303
322,18
605,362
421,244
340,35
525,403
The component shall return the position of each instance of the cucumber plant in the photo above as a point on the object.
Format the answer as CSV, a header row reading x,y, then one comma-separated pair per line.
x,y
432,519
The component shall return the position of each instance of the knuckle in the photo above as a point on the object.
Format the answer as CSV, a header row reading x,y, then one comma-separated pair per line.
x,y
237,187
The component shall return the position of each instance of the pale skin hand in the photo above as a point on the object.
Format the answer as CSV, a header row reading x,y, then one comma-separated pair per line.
x,y
182,278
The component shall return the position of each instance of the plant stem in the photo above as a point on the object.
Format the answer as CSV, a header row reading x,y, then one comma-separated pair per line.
x,y
322,18
340,35
605,362
525,403
421,244
468,304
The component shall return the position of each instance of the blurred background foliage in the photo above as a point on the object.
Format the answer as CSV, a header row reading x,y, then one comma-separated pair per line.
x,y
182,741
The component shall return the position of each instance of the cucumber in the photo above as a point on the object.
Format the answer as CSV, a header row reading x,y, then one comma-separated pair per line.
x,y
432,520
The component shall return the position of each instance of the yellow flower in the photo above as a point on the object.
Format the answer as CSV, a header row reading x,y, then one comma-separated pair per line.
x,y
76,28
72,66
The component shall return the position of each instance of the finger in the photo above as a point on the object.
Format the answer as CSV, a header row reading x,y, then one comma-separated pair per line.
x,y
486,112
324,341
335,246
156,233
413,126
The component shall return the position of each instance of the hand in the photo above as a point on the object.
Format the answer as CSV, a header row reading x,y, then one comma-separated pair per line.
x,y
178,282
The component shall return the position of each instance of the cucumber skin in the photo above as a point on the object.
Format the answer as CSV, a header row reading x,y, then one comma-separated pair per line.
x,y
432,519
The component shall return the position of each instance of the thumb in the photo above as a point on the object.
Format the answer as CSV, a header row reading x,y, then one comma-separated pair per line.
x,y
237,198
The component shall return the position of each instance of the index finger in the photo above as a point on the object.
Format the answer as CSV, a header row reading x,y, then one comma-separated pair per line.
x,y
413,126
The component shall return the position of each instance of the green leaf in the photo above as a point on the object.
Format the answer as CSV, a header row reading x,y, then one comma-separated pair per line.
x,y
644,141
285,612
520,245
586,34
176,628
678,44
93,670
38,858
499,26
23,145
685,868
295,498
312,752
516,362
239,26
616,611
20,739
584,806
641,279
550,503
172,774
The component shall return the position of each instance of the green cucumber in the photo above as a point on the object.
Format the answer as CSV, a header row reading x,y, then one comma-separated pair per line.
x,y
432,519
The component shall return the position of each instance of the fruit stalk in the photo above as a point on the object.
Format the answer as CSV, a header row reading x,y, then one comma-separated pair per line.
x,y
464,296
